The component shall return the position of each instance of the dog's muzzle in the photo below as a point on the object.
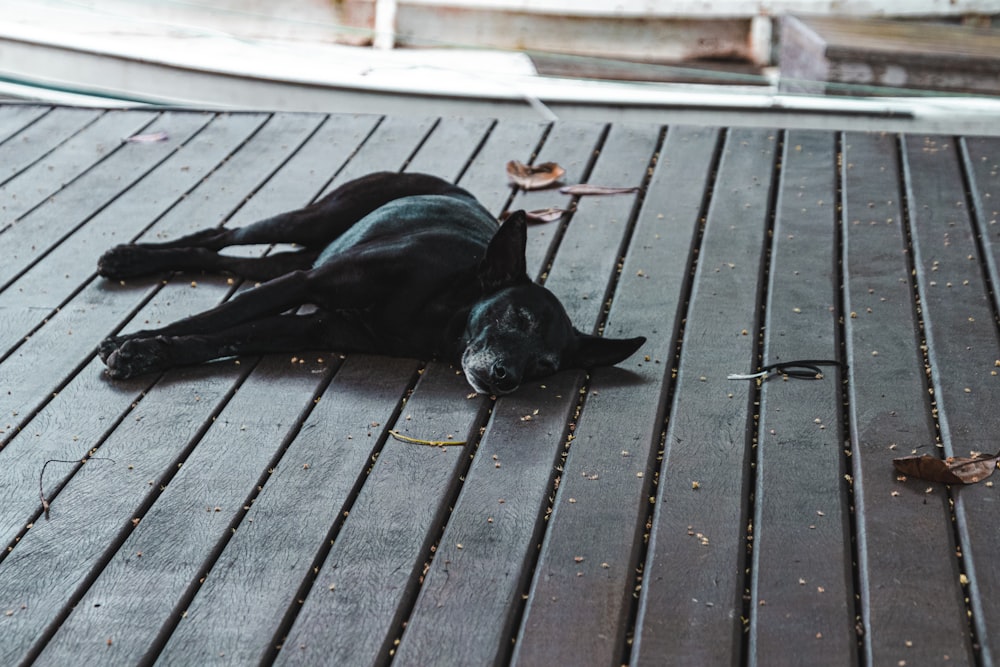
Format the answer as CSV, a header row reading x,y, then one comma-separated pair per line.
x,y
489,374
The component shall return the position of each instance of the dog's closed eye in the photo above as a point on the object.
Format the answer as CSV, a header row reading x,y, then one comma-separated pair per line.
x,y
526,320
521,320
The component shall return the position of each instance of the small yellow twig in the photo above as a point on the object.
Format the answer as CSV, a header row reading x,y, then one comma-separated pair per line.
x,y
430,443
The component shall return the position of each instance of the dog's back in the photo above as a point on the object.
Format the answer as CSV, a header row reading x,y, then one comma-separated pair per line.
x,y
420,230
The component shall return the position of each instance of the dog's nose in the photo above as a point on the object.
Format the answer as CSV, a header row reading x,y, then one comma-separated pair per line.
x,y
503,378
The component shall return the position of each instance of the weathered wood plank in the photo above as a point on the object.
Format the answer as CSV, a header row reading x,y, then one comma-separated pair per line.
x,y
67,342
981,160
379,552
258,576
368,390
47,285
906,555
446,150
301,182
230,195
376,561
596,515
392,144
140,587
963,346
486,176
16,117
174,301
574,146
63,212
32,143
55,561
299,188
76,418
72,263
582,582
240,191
982,157
70,337
693,580
482,563
75,157
320,495
575,276
515,464
801,574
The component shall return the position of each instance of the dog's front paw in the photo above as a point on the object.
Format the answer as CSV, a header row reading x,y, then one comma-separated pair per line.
x,y
108,346
137,356
124,261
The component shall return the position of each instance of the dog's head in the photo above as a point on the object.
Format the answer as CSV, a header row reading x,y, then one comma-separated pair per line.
x,y
519,331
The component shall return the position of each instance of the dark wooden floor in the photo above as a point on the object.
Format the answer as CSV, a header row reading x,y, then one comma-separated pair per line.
x,y
257,511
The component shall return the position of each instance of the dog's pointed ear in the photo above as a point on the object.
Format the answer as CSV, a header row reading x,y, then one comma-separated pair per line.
x,y
504,264
593,351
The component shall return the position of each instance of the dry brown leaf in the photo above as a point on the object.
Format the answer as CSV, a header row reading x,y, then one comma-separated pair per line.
x,y
952,470
150,138
540,215
534,177
587,189
550,214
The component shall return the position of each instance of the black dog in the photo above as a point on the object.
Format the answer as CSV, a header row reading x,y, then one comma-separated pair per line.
x,y
399,264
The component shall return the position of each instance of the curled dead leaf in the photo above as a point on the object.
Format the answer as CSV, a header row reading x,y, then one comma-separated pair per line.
x,y
550,214
150,138
587,189
534,177
952,470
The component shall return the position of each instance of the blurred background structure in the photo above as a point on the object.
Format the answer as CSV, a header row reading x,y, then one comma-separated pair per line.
x,y
881,61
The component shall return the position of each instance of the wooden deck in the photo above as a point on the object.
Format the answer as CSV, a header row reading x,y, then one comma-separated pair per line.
x,y
257,511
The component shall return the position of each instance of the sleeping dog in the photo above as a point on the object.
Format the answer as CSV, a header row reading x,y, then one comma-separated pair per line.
x,y
400,264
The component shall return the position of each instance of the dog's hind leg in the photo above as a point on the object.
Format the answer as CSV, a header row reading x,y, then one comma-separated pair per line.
x,y
307,226
312,227
270,298
279,333
130,261
318,224
199,251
